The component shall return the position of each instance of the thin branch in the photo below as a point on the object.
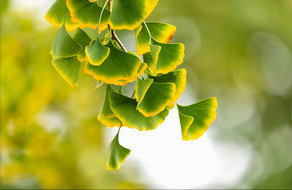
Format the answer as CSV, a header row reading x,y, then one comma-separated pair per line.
x,y
114,35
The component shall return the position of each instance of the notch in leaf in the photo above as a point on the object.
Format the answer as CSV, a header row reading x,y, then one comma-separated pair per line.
x,y
64,45
196,118
154,97
129,14
68,68
58,14
161,32
117,154
87,13
125,109
169,57
106,115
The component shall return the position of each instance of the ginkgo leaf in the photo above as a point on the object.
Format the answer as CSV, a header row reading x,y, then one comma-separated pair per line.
x,y
68,68
161,32
117,154
153,97
170,56
82,39
141,88
140,72
178,77
119,66
129,14
64,45
96,53
106,115
87,13
125,109
196,118
152,58
58,14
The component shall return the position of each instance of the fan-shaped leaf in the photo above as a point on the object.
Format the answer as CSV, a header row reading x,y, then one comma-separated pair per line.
x,y
153,97
152,57
64,45
161,32
178,77
87,13
170,56
82,39
97,53
125,109
196,118
68,68
119,66
58,14
106,115
140,72
129,14
117,154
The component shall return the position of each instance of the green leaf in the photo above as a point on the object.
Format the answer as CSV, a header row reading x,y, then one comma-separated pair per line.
x,y
82,39
141,88
125,109
196,118
87,13
58,14
170,56
68,68
153,97
117,154
64,45
97,53
161,32
129,14
152,58
106,115
178,77
119,68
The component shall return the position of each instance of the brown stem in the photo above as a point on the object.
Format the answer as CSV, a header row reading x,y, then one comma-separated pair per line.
x,y
114,35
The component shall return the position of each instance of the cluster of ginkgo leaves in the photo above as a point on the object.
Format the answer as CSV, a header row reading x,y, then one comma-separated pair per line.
x,y
153,66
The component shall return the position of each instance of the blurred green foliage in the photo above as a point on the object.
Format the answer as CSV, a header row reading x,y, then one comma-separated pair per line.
x,y
240,52
236,50
50,137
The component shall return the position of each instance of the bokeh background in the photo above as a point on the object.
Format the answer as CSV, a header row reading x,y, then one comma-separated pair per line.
x,y
237,50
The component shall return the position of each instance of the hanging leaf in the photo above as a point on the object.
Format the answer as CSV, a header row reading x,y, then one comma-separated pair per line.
x,y
153,97
178,77
161,32
64,45
82,39
87,13
152,58
58,14
97,53
119,66
129,14
196,118
140,72
68,68
125,109
106,115
170,56
117,154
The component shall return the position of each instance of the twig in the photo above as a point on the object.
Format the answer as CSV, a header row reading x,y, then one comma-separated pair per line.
x,y
114,35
